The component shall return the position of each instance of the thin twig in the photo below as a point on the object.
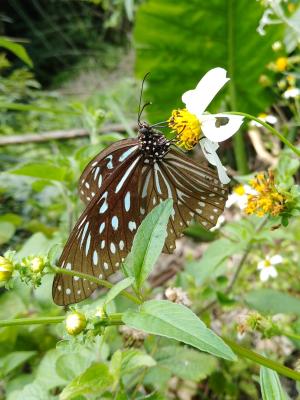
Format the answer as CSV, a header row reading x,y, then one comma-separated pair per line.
x,y
59,135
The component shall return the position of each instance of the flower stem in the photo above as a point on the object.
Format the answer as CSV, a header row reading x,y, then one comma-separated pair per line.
x,y
31,321
270,128
100,282
261,360
238,139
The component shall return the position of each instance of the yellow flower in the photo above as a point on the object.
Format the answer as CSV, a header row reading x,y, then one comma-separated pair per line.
x,y
187,128
6,269
75,323
281,64
268,199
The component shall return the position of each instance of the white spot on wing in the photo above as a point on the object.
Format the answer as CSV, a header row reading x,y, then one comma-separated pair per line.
x,y
95,257
115,222
102,226
131,225
127,153
127,201
121,245
112,248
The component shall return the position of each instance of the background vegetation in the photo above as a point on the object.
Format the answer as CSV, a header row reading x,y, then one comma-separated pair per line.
x,y
73,70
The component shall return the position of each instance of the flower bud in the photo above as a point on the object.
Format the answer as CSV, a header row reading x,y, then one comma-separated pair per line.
x,y
75,323
37,264
6,269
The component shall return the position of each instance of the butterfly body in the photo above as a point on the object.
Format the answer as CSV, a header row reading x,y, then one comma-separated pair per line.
x,y
120,186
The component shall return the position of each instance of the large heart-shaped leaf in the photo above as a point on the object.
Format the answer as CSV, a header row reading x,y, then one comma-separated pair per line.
x,y
178,42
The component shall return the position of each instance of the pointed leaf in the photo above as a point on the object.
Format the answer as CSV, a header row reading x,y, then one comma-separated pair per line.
x,y
270,385
161,317
117,288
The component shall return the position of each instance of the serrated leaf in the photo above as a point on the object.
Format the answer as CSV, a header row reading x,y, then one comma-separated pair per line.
x,y
117,289
148,243
134,359
178,42
161,317
186,363
95,380
270,385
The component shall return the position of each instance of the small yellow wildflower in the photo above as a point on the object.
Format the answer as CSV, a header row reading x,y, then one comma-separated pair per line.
x,y
268,199
281,64
6,269
187,128
240,190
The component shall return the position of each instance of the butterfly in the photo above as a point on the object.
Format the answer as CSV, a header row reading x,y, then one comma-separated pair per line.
x,y
119,187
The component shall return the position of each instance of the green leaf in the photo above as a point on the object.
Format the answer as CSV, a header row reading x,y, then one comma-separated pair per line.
x,y
17,49
14,360
41,171
95,380
186,363
180,41
270,301
7,230
270,385
70,365
161,317
135,359
37,244
117,288
148,243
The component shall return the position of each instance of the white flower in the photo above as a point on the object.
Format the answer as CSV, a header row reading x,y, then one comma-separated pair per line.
x,y
270,119
239,196
291,93
267,267
215,127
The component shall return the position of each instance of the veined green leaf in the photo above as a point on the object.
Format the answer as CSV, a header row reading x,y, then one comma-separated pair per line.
x,y
95,380
118,288
270,301
41,171
270,385
148,243
161,317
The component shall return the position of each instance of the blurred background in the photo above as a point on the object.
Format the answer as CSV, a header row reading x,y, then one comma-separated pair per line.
x,y
70,79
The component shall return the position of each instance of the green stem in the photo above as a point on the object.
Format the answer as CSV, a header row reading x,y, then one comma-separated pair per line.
x,y
238,138
31,321
270,128
100,282
261,360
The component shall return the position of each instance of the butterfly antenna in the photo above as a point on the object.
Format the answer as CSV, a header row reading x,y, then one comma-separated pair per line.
x,y
140,102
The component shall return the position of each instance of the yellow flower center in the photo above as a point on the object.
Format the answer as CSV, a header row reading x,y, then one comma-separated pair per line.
x,y
187,128
267,263
281,64
240,190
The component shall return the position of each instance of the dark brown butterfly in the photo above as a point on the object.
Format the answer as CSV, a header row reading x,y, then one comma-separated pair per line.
x,y
120,186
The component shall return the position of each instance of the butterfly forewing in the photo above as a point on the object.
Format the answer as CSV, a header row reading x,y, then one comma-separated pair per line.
x,y
102,166
102,237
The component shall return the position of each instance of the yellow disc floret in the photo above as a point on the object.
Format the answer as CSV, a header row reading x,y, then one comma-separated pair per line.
x,y
268,199
187,128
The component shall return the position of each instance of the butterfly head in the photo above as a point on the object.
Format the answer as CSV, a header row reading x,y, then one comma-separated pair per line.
x,y
153,143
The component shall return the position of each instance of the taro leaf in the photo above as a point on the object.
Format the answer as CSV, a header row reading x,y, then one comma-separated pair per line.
x,y
270,385
178,42
148,243
161,317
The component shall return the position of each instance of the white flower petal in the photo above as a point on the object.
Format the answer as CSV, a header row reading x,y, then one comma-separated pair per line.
x,y
261,265
264,275
272,272
197,100
223,132
209,150
277,259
